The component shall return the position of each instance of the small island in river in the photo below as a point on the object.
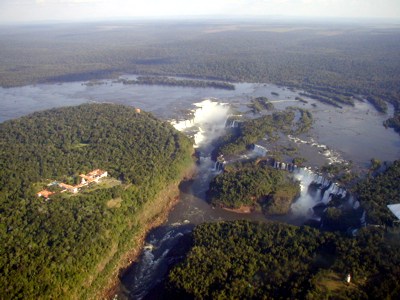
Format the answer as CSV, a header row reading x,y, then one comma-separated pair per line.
x,y
169,81
254,187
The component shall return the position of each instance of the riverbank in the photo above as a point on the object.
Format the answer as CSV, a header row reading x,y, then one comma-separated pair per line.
x,y
153,214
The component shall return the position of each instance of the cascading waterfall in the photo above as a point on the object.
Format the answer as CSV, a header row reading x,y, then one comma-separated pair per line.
x,y
210,118
326,188
219,166
285,166
231,122
304,204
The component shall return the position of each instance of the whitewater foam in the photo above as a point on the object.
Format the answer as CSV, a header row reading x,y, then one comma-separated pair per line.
x,y
305,202
331,155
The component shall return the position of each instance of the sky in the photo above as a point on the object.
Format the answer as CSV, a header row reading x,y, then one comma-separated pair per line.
x,y
14,11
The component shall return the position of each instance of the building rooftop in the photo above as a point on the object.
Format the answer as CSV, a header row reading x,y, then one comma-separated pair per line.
x,y
93,176
395,209
95,173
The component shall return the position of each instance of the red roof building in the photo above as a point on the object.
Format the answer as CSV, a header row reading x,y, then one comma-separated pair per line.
x,y
45,193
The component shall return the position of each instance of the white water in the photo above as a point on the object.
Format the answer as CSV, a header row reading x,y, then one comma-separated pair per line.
x,y
208,122
304,204
152,260
332,156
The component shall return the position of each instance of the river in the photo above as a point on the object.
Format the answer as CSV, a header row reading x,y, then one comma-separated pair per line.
x,y
356,133
352,133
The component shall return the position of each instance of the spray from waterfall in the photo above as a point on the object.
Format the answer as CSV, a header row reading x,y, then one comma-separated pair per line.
x,y
208,122
323,195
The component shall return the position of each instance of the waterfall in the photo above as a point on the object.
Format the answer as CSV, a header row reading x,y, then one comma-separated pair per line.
x,y
326,189
284,166
231,122
332,189
304,204
208,122
218,166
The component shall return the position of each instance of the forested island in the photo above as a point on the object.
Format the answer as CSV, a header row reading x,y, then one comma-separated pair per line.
x,y
168,81
259,104
257,186
249,131
72,245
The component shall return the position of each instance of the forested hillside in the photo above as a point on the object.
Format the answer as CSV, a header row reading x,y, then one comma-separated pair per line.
x,y
68,246
244,260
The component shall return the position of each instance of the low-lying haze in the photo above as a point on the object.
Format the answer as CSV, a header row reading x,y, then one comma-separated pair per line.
x,y
15,11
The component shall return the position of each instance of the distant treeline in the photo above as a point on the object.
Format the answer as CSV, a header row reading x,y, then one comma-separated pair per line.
x,y
333,63
168,81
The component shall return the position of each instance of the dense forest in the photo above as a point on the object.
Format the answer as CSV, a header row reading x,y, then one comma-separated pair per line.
x,y
375,193
244,260
258,186
335,63
68,246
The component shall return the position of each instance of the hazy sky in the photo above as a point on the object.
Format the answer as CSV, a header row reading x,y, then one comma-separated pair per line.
x,y
42,10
